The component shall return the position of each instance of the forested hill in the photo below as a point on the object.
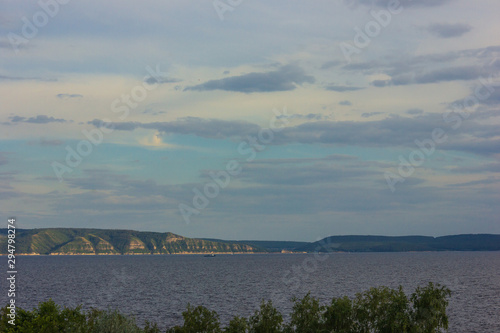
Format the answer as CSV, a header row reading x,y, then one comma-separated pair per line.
x,y
470,242
73,241
70,241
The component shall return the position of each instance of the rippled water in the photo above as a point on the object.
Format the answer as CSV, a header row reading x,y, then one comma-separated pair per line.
x,y
158,288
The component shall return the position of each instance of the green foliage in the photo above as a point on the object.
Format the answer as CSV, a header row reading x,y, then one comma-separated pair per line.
x,y
198,320
237,325
382,310
377,310
266,320
151,327
107,241
429,305
339,316
481,242
111,321
47,318
307,315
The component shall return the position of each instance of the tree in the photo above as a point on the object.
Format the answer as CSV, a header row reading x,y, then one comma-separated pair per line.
x,y
382,310
339,316
307,315
266,320
237,325
198,320
429,308
47,318
110,321
377,310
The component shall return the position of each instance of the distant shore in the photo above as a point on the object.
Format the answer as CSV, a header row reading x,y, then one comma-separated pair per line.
x,y
141,254
82,241
229,253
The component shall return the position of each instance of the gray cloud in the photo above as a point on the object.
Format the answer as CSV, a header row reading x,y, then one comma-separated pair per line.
x,y
342,88
493,167
432,68
404,3
20,78
478,147
370,114
284,79
16,119
279,194
484,182
68,96
160,80
492,100
415,111
273,195
285,161
152,112
307,172
345,103
102,179
330,64
449,30
207,128
97,186
40,119
452,74
394,131
323,189
435,76
309,116
380,83
440,75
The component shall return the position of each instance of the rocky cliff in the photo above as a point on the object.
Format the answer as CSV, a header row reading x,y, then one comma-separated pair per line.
x,y
69,241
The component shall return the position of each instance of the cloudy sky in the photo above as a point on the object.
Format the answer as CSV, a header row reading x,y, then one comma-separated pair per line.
x,y
252,119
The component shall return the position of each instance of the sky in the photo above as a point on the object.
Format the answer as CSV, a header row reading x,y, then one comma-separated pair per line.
x,y
251,119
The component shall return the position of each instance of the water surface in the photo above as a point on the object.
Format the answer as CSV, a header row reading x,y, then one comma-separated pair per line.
x,y
158,288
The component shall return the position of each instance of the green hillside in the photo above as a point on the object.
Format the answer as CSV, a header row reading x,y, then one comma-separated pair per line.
x,y
479,242
64,241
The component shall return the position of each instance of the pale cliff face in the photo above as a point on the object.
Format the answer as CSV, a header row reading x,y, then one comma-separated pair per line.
x,y
66,241
136,244
79,245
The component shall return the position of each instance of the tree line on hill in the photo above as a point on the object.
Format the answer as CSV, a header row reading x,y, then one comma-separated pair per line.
x,y
467,242
76,241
